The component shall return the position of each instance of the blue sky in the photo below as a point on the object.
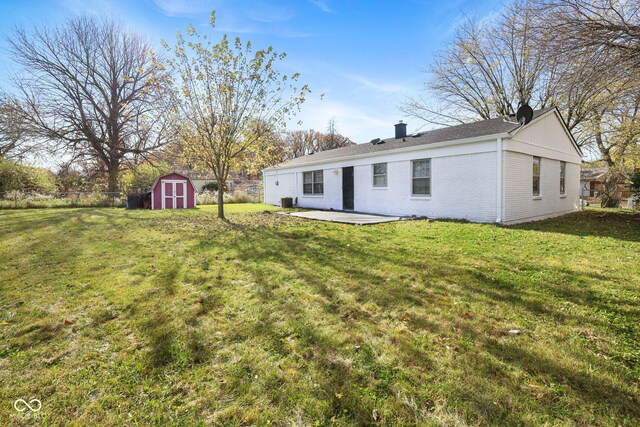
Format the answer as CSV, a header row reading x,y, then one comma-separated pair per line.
x,y
365,56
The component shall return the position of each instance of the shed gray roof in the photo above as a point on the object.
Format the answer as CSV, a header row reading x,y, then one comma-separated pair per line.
x,y
451,133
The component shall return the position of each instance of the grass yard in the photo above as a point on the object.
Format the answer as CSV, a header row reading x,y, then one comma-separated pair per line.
x,y
180,318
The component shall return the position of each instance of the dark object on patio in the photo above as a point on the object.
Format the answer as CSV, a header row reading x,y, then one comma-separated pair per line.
x,y
286,202
132,201
145,199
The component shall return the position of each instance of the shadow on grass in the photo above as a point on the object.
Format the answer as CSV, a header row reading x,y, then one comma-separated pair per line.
x,y
316,259
615,224
369,315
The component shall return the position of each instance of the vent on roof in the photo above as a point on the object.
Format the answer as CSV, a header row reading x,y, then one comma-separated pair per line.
x,y
510,119
416,135
375,141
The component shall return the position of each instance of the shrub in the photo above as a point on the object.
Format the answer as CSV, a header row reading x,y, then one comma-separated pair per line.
x,y
211,198
142,177
18,177
210,186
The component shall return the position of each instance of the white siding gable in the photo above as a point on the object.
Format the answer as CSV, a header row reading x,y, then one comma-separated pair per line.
x,y
545,138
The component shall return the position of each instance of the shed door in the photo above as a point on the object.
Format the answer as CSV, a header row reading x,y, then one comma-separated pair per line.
x,y
174,194
181,193
167,198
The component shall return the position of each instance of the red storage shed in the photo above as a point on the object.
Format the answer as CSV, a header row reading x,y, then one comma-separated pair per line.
x,y
173,191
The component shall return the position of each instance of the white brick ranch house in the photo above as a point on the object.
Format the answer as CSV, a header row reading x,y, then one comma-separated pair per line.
x,y
487,171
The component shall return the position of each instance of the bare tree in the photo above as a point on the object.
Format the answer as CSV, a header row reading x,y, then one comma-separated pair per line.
x,y
488,70
332,139
302,142
492,67
612,27
94,88
599,41
16,138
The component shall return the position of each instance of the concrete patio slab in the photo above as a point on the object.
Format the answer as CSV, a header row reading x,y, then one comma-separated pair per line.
x,y
346,217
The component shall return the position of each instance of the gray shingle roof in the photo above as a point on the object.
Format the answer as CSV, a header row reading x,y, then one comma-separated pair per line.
x,y
451,133
592,174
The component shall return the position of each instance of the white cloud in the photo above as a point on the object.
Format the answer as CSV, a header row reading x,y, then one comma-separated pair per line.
x,y
377,86
322,5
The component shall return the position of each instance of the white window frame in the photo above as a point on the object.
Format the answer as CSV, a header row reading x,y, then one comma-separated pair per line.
x,y
313,183
413,178
563,178
539,176
374,175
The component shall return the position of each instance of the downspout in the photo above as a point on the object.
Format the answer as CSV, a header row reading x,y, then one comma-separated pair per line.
x,y
264,187
499,180
295,200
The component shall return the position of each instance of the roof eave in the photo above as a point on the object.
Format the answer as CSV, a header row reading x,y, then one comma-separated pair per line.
x,y
394,150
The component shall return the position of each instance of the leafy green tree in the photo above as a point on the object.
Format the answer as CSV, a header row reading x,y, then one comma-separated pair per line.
x,y
227,97
634,184
142,176
70,179
18,177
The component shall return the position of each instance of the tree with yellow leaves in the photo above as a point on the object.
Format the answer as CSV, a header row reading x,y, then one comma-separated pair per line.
x,y
227,98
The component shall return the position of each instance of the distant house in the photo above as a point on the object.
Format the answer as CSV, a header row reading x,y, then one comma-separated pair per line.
x,y
592,181
235,181
487,171
592,185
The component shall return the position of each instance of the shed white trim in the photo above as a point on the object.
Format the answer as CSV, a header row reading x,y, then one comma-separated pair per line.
x,y
174,196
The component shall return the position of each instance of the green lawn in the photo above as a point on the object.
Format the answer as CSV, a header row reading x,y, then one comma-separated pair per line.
x,y
180,318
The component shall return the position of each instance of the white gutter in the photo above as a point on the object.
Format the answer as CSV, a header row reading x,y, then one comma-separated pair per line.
x,y
392,151
499,180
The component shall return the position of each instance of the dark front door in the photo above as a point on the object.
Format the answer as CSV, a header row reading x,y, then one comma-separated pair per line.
x,y
347,188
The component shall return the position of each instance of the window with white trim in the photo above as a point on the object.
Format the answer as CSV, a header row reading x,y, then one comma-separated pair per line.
x,y
537,161
379,174
563,171
312,182
421,177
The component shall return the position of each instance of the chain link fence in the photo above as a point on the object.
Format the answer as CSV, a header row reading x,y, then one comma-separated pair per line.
x,y
238,192
591,194
29,199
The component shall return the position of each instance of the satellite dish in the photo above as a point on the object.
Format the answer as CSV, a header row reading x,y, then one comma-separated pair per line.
x,y
524,114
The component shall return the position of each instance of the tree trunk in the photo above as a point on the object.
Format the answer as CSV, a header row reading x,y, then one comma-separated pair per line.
x,y
610,197
220,199
112,182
